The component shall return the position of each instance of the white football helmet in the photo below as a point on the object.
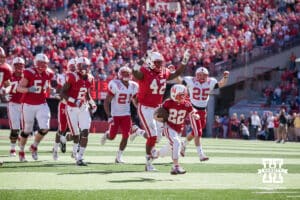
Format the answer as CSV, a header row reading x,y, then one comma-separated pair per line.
x,y
124,73
18,64
2,55
71,66
82,65
202,74
18,60
178,92
41,61
154,61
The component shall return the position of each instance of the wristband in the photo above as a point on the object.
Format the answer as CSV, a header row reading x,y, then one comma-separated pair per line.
x,y
71,100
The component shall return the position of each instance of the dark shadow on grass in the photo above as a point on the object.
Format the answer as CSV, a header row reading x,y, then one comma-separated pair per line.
x,y
140,180
32,165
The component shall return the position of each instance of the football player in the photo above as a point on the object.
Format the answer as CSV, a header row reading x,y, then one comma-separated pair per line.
x,y
34,85
5,70
76,91
14,106
60,138
117,107
199,88
152,80
178,108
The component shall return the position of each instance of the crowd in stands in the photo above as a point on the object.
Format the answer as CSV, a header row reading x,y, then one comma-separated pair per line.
x,y
280,126
106,31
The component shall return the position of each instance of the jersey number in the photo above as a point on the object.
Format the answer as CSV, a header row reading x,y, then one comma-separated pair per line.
x,y
177,116
200,94
122,99
82,92
158,88
39,87
13,87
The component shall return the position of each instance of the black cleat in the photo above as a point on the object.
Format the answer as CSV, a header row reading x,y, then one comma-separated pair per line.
x,y
80,163
63,147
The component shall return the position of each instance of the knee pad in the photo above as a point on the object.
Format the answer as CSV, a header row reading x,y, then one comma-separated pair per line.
x,y
151,141
24,135
84,133
43,132
14,134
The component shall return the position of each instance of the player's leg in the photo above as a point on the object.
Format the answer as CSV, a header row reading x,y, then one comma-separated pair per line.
x,y
28,115
73,120
175,144
112,131
62,126
14,117
125,126
84,125
150,125
43,119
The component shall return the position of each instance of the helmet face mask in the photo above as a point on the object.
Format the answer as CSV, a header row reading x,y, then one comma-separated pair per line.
x,y
41,62
124,73
155,61
83,65
18,65
178,93
202,74
71,65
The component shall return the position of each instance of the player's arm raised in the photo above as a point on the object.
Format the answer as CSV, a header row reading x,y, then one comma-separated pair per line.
x,y
224,80
181,68
136,70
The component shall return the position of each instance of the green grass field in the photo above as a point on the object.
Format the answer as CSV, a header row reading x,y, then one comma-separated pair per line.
x,y
231,172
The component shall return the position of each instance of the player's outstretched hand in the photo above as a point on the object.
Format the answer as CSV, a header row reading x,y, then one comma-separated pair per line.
x,y
186,57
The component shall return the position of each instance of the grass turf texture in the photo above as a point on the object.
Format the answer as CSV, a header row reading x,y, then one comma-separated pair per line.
x,y
231,172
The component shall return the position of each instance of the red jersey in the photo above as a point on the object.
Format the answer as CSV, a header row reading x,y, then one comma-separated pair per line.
x,y
15,96
79,87
177,113
5,73
152,87
41,81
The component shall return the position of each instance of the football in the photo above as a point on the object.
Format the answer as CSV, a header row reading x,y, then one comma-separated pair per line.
x,y
161,114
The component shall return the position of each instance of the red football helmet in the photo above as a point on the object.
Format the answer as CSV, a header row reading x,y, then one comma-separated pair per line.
x,y
41,62
71,66
2,56
202,74
82,65
124,73
18,65
178,93
155,61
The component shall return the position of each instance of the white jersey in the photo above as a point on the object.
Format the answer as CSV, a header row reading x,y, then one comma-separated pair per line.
x,y
199,92
120,104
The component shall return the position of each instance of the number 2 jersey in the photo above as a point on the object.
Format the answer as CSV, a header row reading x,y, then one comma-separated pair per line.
x,y
120,104
199,92
152,87
79,87
41,81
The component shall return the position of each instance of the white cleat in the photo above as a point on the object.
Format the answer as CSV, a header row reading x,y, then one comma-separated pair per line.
x,y
203,158
119,161
12,153
150,168
135,131
177,170
103,138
